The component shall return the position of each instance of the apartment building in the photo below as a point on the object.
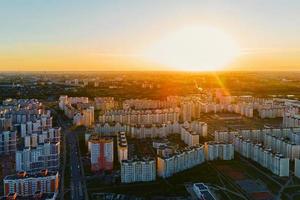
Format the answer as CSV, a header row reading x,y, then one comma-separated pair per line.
x,y
266,157
43,156
168,165
286,141
159,116
122,147
8,142
27,184
189,137
138,170
218,151
102,153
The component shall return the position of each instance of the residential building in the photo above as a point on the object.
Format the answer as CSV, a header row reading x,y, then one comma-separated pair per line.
x,y
122,147
138,170
26,184
8,142
218,151
102,153
43,156
168,165
275,162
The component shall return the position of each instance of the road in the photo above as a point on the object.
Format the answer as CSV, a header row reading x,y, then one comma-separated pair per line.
x,y
78,185
76,176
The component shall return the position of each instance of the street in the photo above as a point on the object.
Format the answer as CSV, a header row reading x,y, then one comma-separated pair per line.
x,y
78,187
76,176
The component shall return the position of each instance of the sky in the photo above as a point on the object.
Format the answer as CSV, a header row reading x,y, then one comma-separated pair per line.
x,y
58,35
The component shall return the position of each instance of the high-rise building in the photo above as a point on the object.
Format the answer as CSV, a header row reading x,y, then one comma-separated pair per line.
x,y
186,109
43,156
275,162
102,153
8,142
143,170
297,168
25,184
122,147
191,138
169,165
218,151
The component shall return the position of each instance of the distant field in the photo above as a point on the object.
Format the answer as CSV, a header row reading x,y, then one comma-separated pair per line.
x,y
48,86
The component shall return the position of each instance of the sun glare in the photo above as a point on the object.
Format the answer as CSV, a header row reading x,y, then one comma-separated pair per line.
x,y
196,48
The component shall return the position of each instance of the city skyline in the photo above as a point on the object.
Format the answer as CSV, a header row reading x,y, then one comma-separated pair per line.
x,y
114,36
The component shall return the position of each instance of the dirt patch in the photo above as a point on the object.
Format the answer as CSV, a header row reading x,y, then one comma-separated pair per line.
x,y
234,174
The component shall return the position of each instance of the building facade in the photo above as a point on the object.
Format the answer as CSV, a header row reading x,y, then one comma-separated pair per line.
x,y
102,153
25,184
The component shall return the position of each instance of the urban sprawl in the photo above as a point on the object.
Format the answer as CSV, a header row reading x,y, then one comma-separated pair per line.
x,y
143,140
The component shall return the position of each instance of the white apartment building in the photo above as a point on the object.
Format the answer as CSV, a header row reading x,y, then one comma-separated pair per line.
x,y
40,137
199,127
291,120
83,114
142,104
244,109
189,137
169,165
275,162
44,156
191,132
291,117
143,170
186,111
41,123
218,151
149,130
271,111
286,141
111,129
85,117
225,136
157,116
153,130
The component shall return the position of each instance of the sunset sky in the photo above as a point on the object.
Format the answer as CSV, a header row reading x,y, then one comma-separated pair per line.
x,y
115,34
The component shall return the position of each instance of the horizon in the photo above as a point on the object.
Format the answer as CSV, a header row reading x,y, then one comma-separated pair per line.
x,y
159,71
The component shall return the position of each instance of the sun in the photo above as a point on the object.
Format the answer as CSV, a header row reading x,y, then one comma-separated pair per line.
x,y
194,48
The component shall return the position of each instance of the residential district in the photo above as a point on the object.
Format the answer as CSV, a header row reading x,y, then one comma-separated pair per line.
x,y
210,145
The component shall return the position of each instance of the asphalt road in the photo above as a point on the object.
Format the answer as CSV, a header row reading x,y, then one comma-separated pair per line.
x,y
78,189
76,176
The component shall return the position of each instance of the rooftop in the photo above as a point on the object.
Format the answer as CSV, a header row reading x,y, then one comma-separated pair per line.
x,y
24,175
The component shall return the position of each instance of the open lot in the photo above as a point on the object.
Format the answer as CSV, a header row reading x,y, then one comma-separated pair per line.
x,y
229,178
